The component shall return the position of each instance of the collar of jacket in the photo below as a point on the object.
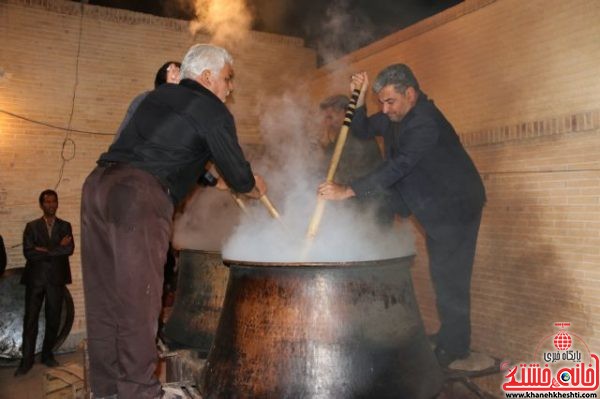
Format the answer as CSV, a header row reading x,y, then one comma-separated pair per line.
x,y
421,99
193,85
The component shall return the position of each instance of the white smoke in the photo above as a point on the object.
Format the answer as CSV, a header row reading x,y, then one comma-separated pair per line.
x,y
341,31
208,219
227,21
293,166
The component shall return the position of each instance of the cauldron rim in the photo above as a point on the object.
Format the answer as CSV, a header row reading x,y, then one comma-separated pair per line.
x,y
335,264
203,251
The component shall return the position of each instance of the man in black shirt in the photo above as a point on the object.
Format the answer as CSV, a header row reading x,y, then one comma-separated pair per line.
x,y
126,215
429,174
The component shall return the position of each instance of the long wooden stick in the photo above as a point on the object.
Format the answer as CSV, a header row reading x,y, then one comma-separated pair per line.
x,y
313,226
239,202
264,200
272,211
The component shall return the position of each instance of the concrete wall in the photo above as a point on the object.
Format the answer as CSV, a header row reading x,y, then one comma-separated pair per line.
x,y
519,81
65,64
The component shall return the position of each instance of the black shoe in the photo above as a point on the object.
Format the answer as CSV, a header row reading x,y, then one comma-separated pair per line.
x,y
446,358
22,369
50,362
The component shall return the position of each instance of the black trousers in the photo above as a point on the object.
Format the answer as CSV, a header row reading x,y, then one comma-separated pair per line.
x,y
34,297
125,231
451,259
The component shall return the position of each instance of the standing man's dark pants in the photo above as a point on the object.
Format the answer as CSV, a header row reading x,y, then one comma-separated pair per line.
x,y
451,266
34,297
125,230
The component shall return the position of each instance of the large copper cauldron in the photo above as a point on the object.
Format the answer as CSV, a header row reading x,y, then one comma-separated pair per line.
x,y
321,330
201,284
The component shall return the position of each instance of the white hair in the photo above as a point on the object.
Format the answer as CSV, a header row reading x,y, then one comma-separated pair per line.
x,y
201,57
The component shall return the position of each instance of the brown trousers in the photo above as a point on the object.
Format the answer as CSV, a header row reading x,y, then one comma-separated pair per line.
x,y
126,223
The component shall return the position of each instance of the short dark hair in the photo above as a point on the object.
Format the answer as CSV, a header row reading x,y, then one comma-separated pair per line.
x,y
47,192
338,101
161,74
398,75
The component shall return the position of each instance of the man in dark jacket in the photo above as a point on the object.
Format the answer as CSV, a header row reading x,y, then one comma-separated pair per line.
x,y
429,174
47,245
126,215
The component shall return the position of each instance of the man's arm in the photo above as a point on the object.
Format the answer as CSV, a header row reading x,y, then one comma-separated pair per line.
x,y
230,161
420,138
31,250
362,126
66,245
365,127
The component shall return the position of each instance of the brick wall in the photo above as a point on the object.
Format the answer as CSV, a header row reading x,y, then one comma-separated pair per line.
x,y
55,58
519,81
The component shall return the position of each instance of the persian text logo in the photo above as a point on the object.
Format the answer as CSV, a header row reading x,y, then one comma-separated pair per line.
x,y
564,366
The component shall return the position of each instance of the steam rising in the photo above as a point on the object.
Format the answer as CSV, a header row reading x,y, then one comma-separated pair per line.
x,y
209,217
227,21
341,31
293,165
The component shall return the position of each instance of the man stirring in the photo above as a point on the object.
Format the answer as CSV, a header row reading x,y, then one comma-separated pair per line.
x,y
430,175
127,208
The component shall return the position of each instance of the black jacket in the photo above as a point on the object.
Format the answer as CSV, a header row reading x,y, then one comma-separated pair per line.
x,y
47,268
426,168
175,131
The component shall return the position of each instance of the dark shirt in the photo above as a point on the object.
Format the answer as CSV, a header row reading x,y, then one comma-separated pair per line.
x,y
426,168
50,267
135,103
175,131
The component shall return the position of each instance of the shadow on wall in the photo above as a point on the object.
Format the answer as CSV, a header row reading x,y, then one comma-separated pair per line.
x,y
521,285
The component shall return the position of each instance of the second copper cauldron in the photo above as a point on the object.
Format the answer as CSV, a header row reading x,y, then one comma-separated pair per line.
x,y
201,283
321,330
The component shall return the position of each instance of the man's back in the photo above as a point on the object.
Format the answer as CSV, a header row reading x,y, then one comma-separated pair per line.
x,y
443,186
175,131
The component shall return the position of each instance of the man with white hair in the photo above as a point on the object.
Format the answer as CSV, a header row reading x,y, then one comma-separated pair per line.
x,y
126,215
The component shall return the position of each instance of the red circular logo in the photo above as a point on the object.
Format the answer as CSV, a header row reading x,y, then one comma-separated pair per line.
x,y
562,341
